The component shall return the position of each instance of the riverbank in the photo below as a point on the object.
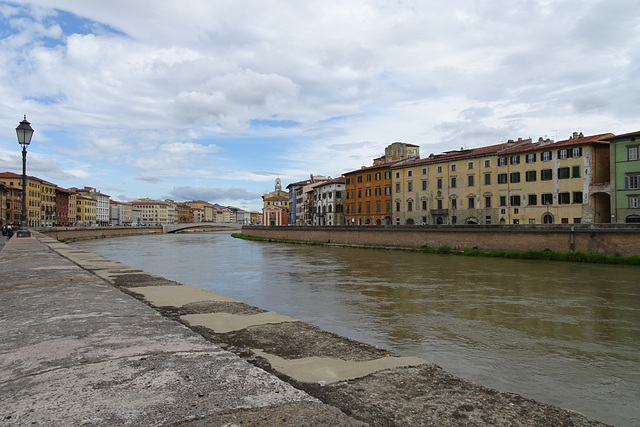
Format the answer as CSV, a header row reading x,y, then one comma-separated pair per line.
x,y
545,255
612,240
366,383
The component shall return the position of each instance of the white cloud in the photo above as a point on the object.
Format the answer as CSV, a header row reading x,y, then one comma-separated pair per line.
x,y
170,90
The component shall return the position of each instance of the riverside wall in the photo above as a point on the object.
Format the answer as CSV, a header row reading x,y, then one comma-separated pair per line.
x,y
603,239
81,233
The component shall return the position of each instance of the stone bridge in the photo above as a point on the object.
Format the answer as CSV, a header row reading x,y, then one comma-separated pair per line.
x,y
172,228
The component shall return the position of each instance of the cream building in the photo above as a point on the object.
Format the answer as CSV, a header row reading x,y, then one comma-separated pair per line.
x,y
153,212
519,182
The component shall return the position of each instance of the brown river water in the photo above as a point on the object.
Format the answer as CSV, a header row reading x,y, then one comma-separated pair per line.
x,y
567,334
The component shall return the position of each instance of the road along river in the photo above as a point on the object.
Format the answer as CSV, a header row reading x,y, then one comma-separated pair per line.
x,y
567,334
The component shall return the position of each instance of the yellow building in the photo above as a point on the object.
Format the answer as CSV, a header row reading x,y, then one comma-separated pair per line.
x,y
278,197
86,209
41,198
207,210
519,182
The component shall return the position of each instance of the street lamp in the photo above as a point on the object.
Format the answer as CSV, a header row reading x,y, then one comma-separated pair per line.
x,y
24,132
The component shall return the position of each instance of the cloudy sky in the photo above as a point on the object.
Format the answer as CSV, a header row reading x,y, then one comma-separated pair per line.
x,y
214,99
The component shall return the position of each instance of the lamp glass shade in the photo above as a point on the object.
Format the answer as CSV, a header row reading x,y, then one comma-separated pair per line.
x,y
24,132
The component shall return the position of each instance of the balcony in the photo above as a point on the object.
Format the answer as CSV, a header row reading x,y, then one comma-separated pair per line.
x,y
439,211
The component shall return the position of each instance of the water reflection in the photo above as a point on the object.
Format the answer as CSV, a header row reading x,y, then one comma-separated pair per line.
x,y
567,334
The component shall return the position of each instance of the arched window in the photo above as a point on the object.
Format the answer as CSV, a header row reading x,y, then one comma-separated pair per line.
x,y
547,218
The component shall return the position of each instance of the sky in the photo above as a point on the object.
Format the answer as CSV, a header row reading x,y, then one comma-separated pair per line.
x,y
214,99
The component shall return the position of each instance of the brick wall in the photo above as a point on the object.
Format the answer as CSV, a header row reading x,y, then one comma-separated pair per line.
x,y
609,239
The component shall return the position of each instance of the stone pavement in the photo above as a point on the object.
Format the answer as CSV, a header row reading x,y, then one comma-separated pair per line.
x,y
85,340
74,350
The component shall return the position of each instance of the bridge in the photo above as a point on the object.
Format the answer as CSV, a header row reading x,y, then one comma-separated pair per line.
x,y
174,228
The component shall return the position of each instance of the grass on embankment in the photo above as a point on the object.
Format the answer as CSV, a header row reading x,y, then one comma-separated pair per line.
x,y
545,255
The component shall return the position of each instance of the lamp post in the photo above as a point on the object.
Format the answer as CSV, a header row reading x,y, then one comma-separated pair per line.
x,y
24,132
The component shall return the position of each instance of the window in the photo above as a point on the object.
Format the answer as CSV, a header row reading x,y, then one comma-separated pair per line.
x,y
387,175
515,200
454,204
563,173
502,161
424,184
397,174
631,181
439,204
410,186
388,205
368,177
378,206
487,201
487,179
397,206
439,183
502,178
409,173
562,154
367,192
397,187
515,176
563,198
530,176
378,176
424,171
547,198
487,163
471,202
531,158
453,168
387,190
575,172
470,165
360,178
424,206
546,174
533,199
368,207
470,181
514,160
378,191
409,206
453,182
577,197
439,169
634,201
503,200
632,153
545,156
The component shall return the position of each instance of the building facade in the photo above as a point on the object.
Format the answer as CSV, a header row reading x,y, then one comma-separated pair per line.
x,y
368,197
153,212
519,182
625,178
86,208
328,202
102,203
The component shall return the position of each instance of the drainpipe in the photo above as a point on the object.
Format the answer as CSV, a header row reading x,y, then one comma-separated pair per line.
x,y
572,242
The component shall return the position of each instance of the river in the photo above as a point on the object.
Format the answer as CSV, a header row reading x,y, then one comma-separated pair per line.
x,y
567,334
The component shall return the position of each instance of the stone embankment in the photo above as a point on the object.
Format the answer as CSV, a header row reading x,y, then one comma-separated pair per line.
x,y
90,341
606,239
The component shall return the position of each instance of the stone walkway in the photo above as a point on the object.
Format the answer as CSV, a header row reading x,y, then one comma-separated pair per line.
x,y
74,350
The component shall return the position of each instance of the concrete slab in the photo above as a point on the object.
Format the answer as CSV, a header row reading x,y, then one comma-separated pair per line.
x,y
177,296
227,322
327,370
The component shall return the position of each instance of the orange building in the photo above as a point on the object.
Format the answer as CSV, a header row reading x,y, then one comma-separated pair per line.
x,y
368,190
